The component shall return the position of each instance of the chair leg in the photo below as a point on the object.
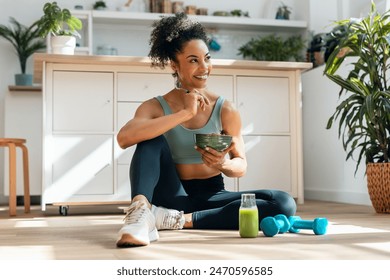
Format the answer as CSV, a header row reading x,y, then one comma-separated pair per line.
x,y
26,179
12,179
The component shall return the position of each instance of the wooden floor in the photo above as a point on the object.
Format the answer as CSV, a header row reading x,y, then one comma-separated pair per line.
x,y
89,233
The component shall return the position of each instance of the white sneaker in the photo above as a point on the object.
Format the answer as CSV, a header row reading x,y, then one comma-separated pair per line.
x,y
139,228
168,218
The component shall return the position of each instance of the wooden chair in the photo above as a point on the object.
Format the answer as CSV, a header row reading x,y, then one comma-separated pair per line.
x,y
12,143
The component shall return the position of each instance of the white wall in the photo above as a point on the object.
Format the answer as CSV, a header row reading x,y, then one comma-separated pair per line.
x,y
327,176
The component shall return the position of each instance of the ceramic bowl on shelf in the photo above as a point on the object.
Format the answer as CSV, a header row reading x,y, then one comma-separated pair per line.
x,y
218,142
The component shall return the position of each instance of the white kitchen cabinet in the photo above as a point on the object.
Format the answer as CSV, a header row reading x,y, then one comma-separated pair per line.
x,y
268,104
78,157
87,99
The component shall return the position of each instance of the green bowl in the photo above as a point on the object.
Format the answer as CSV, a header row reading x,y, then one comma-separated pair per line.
x,y
216,141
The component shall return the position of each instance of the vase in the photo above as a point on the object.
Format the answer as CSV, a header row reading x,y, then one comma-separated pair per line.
x,y
378,184
23,79
63,44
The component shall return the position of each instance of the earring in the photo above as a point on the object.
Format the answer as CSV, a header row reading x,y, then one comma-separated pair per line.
x,y
176,81
178,84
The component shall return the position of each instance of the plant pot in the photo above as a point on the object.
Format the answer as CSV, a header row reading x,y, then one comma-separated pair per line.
x,y
23,79
63,44
378,184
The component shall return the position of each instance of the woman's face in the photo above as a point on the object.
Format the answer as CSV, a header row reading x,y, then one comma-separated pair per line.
x,y
193,65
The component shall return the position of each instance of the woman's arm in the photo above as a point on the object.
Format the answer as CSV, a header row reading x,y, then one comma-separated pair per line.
x,y
235,165
149,122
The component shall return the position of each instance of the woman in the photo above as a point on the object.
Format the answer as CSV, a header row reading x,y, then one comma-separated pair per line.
x,y
174,184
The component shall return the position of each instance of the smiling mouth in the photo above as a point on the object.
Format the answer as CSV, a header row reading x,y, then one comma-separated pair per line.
x,y
203,77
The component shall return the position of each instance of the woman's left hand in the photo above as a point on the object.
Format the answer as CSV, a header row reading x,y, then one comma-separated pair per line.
x,y
213,158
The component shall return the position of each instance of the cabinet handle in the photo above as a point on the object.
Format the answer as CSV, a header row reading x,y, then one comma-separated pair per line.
x,y
101,169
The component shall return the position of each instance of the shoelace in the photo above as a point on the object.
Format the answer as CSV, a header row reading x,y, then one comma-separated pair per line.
x,y
173,222
129,218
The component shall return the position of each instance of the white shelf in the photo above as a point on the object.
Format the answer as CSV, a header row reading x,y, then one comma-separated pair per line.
x,y
236,23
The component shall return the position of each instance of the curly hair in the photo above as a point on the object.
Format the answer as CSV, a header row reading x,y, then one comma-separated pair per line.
x,y
169,35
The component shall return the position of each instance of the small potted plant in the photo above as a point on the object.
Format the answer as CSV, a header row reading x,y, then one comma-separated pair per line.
x,y
363,112
274,48
26,41
283,12
99,5
61,26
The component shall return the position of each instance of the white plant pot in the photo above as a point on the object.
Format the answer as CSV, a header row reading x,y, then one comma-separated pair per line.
x,y
63,44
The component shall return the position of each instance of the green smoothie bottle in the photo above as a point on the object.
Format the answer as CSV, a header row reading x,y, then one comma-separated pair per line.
x,y
248,216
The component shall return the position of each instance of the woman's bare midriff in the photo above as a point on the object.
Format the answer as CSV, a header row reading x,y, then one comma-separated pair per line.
x,y
195,171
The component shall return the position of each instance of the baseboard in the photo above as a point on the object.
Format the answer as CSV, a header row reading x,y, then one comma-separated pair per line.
x,y
34,200
339,196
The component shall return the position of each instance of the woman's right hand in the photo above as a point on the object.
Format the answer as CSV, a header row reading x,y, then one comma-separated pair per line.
x,y
194,100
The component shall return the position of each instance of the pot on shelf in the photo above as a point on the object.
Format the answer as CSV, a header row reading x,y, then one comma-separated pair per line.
x,y
63,44
23,79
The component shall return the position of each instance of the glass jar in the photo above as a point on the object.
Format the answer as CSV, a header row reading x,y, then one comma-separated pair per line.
x,y
248,216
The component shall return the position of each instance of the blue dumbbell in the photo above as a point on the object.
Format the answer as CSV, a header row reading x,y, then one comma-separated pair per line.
x,y
318,225
274,225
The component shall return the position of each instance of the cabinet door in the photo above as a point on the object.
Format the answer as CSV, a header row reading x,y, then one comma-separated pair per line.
x,y
123,191
263,103
83,101
269,163
143,86
80,165
221,85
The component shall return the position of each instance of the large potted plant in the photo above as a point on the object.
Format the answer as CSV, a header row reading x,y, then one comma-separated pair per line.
x,y
363,113
26,41
61,26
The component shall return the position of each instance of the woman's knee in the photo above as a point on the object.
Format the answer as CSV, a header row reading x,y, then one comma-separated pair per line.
x,y
155,143
285,202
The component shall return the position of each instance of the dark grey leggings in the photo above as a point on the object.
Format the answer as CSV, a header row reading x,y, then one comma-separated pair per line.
x,y
153,174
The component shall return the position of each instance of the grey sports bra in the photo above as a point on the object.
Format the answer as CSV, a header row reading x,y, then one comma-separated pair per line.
x,y
181,139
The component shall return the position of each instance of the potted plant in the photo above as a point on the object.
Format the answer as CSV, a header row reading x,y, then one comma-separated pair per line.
x,y
274,48
26,41
364,112
283,12
101,5
61,26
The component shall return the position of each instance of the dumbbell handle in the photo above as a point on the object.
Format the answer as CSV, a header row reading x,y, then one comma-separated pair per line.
x,y
318,225
303,224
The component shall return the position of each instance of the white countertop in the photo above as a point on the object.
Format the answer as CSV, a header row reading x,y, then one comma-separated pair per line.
x,y
41,58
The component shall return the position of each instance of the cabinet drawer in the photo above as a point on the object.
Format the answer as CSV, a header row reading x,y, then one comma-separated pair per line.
x,y
264,104
269,163
123,186
80,165
221,85
141,86
83,101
